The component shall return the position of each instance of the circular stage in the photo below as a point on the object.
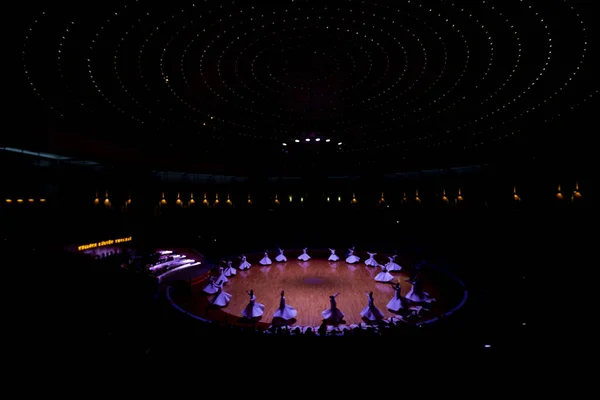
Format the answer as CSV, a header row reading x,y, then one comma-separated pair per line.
x,y
308,285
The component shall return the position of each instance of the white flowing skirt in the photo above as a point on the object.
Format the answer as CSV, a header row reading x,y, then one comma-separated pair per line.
x,y
371,262
222,299
333,257
222,277
280,258
418,297
253,310
352,259
392,266
265,261
245,265
384,277
372,313
229,271
395,304
303,257
210,288
287,312
333,315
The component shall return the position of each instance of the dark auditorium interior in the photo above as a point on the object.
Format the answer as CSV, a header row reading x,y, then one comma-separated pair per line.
x,y
459,133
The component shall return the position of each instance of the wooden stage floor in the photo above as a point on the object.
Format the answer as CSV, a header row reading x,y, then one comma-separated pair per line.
x,y
308,286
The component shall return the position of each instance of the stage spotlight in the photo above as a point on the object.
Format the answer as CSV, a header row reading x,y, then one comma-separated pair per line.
x,y
340,143
487,346
307,139
297,141
317,140
285,144
328,140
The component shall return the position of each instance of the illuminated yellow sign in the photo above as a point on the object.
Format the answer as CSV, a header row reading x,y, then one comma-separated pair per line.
x,y
103,243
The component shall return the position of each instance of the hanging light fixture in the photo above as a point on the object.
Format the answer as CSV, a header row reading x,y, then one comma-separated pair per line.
x,y
444,198
404,199
576,194
216,199
459,197
205,201
276,200
382,199
515,195
106,199
97,199
163,201
228,202
249,199
417,199
178,201
128,202
191,202
559,195
354,201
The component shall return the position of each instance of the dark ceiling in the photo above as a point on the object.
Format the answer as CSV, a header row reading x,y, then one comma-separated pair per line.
x,y
400,84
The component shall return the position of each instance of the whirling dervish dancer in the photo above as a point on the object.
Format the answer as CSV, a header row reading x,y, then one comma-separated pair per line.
x,y
417,293
370,312
253,309
221,275
352,259
397,302
371,261
391,265
222,298
266,260
384,275
229,271
333,314
333,256
280,257
284,311
213,285
244,265
304,256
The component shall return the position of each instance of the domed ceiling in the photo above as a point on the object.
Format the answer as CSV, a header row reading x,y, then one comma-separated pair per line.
x,y
289,79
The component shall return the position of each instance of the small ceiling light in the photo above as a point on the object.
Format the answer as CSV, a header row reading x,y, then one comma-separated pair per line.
x,y
285,144
307,139
297,141
328,140
340,143
317,140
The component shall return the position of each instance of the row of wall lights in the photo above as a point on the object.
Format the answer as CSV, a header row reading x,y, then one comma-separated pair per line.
x,y
163,201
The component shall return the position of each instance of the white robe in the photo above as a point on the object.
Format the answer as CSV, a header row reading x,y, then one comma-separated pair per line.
x,y
284,311
280,257
229,271
396,303
333,256
253,309
244,264
266,260
221,299
384,276
370,312
371,260
391,265
304,256
418,295
333,313
352,259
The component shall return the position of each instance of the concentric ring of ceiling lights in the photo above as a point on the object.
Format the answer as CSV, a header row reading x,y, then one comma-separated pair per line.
x,y
400,74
